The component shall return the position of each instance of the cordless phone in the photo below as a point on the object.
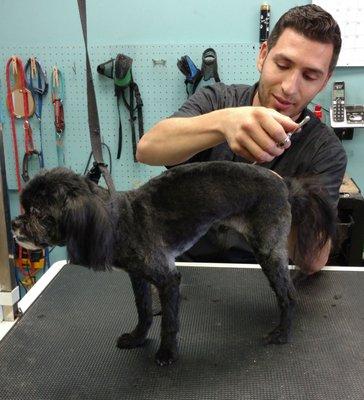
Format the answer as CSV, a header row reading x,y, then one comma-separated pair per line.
x,y
338,102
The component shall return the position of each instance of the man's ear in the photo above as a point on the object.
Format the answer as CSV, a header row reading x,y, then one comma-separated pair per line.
x,y
263,52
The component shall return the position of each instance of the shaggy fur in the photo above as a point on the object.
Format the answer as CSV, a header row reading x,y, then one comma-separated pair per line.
x,y
143,230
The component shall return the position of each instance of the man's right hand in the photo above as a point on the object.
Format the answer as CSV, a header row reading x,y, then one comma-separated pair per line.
x,y
255,132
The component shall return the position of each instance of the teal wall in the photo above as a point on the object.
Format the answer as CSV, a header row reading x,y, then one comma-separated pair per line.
x,y
53,27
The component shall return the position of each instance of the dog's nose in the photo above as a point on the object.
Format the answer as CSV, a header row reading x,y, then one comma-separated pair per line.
x,y
15,224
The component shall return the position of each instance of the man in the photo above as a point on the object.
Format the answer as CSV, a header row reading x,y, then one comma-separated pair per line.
x,y
244,123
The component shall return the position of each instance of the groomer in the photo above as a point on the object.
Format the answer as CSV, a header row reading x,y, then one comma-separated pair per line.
x,y
244,124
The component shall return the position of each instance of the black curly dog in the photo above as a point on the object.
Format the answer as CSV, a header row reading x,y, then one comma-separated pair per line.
x,y
143,230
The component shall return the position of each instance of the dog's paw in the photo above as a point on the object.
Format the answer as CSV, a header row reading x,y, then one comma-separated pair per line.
x,y
129,341
166,357
277,336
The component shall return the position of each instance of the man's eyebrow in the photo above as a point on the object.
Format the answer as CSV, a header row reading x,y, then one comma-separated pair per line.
x,y
282,57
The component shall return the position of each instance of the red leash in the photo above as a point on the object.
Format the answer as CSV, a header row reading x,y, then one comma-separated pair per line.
x,y
15,81
15,72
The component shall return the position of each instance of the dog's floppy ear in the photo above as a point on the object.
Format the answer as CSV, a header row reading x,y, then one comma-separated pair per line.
x,y
88,229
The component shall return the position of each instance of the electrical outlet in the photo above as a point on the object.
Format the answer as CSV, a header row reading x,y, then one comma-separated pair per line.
x,y
344,133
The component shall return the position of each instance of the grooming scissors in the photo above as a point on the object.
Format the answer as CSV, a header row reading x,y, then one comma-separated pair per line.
x,y
289,134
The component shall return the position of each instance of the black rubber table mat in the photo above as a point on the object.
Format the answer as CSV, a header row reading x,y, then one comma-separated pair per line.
x,y
64,346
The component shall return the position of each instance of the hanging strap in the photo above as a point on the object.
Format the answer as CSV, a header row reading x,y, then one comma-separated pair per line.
x,y
37,83
26,159
9,100
93,117
134,93
123,80
15,76
57,98
192,74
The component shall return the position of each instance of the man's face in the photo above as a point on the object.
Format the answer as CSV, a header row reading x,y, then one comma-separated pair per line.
x,y
292,73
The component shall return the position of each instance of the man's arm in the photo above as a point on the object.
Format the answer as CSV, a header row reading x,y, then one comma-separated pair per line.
x,y
175,140
207,119
251,132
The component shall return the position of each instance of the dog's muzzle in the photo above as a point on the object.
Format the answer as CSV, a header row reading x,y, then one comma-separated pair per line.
x,y
22,240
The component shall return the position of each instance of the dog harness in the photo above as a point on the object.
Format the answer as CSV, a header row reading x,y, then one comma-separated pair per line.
x,y
120,70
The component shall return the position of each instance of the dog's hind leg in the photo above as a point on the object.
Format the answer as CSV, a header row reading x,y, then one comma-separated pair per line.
x,y
267,233
143,301
169,294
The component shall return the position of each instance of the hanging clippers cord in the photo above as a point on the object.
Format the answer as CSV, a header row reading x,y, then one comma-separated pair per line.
x,y
93,116
57,98
37,83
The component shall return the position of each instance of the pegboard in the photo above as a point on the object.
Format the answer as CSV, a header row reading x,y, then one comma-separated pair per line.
x,y
162,89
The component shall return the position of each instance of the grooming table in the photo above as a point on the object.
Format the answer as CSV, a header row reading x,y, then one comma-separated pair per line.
x,y
64,345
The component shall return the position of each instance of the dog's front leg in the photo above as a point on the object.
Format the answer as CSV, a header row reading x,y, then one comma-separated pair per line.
x,y
143,301
169,295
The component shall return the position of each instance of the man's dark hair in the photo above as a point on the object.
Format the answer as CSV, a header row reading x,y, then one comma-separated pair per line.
x,y
312,22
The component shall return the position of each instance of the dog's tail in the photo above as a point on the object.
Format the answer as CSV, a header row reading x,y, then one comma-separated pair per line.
x,y
313,217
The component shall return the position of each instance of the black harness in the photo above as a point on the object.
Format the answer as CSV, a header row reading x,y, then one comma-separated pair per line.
x,y
120,70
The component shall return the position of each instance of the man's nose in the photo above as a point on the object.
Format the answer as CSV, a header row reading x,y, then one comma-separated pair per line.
x,y
290,83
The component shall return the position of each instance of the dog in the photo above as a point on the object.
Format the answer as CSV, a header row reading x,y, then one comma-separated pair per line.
x,y
142,231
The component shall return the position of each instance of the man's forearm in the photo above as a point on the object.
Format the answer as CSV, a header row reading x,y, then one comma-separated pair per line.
x,y
174,140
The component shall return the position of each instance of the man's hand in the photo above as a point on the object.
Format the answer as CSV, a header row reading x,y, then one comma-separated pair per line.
x,y
254,132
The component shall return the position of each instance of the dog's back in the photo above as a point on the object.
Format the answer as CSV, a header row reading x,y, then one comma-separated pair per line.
x,y
183,202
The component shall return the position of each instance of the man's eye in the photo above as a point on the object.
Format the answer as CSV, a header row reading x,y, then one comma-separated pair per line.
x,y
309,77
282,66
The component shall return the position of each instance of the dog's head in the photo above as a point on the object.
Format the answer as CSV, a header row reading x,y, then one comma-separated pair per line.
x,y
64,209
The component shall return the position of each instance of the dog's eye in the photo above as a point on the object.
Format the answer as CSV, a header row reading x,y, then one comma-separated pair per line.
x,y
34,211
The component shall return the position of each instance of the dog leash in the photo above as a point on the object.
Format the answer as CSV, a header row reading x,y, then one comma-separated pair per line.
x,y
93,116
57,98
21,105
37,82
